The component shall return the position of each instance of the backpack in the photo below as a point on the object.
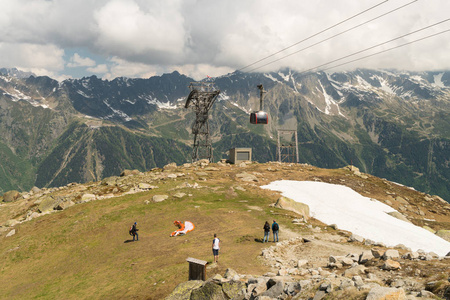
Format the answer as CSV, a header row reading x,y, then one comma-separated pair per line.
x,y
275,227
131,230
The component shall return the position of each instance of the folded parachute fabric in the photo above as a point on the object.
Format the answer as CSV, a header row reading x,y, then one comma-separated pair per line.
x,y
182,228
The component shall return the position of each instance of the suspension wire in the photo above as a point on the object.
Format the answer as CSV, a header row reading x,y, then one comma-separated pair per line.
x,y
329,38
383,51
367,49
322,31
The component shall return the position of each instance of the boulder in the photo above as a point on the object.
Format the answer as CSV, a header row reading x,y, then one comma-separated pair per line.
x,y
184,289
47,204
291,205
365,257
179,195
445,234
401,200
111,181
377,252
233,289
247,177
411,255
63,205
391,254
170,166
211,169
275,290
35,190
11,196
429,229
390,264
382,293
87,197
292,288
11,233
257,288
301,263
159,198
230,273
398,215
356,238
354,271
145,186
11,223
210,290
129,172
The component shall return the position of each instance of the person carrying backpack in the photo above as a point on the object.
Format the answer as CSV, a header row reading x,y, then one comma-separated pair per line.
x,y
275,229
133,231
266,232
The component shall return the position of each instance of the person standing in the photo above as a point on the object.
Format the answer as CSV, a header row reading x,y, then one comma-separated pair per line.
x,y
266,232
275,229
215,248
134,231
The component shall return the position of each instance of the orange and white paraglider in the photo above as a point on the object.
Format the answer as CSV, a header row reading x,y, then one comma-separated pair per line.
x,y
182,228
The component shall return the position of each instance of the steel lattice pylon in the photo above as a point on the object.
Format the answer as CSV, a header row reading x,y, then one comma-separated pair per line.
x,y
201,98
287,146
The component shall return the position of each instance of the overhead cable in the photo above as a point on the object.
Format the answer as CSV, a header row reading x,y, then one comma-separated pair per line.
x,y
367,49
386,50
320,32
329,38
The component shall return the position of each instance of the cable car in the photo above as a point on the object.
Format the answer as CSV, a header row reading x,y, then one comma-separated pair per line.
x,y
260,116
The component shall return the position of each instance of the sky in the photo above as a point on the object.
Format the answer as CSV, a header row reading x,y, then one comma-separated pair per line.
x,y
199,38
368,218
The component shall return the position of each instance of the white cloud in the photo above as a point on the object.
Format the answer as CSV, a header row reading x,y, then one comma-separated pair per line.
x,y
133,32
123,68
77,61
99,69
31,56
203,36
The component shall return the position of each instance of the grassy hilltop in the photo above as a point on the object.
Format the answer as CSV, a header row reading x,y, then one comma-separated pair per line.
x,y
85,252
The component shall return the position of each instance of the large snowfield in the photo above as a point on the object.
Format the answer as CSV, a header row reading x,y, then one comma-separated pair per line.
x,y
340,205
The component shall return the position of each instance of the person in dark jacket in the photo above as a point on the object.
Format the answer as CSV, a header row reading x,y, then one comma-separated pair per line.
x,y
134,231
275,229
266,232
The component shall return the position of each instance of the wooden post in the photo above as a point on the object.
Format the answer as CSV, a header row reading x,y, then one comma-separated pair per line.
x,y
197,269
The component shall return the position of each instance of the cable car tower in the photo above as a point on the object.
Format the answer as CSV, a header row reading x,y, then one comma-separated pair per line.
x,y
201,98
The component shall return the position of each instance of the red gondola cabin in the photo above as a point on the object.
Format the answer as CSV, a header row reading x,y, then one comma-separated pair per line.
x,y
259,117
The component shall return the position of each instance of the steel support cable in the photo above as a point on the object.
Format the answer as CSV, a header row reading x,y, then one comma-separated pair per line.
x,y
331,37
378,45
386,50
320,32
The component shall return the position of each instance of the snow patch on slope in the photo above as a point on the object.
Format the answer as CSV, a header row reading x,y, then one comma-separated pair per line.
x,y
340,205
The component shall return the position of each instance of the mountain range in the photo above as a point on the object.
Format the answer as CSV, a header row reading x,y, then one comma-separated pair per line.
x,y
388,123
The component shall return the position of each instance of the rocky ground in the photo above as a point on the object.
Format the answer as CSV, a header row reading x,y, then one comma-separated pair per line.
x,y
313,260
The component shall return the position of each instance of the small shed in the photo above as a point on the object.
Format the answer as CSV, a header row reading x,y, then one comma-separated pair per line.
x,y
197,269
238,155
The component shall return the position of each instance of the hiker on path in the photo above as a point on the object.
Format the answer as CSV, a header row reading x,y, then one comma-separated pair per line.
x,y
215,248
275,229
134,231
266,232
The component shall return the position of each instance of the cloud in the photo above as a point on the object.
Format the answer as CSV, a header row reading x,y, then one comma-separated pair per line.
x,y
31,56
141,37
77,61
99,69
143,34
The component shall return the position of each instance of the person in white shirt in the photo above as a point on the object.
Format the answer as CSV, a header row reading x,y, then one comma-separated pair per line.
x,y
215,248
